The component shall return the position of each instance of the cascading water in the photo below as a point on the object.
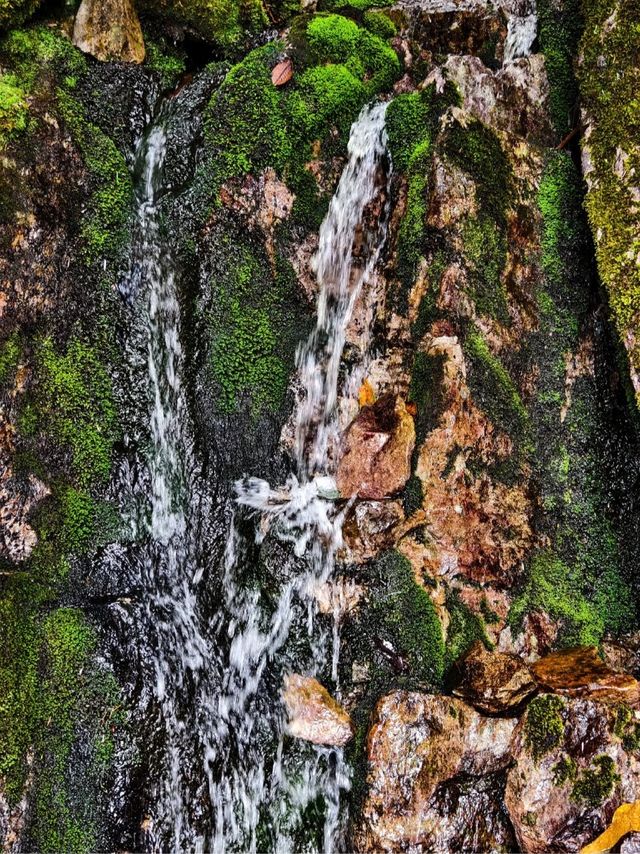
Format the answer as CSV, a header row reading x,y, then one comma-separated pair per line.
x,y
521,35
220,773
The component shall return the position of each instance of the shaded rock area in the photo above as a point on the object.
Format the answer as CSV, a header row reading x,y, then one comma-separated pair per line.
x,y
313,713
493,682
581,673
109,30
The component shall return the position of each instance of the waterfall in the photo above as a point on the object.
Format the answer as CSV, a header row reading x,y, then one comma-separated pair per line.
x,y
220,773
521,34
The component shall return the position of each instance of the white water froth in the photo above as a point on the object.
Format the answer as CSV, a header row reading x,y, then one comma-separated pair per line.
x,y
521,34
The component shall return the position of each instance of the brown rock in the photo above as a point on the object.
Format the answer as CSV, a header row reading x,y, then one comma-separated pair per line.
x,y
494,681
282,73
109,30
313,713
376,460
579,672
417,748
571,773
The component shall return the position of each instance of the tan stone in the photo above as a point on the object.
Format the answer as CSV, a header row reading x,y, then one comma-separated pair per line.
x,y
109,30
493,682
313,713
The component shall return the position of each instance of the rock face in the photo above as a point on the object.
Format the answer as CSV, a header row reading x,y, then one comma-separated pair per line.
x,y
313,713
580,672
571,773
423,753
109,30
376,459
492,681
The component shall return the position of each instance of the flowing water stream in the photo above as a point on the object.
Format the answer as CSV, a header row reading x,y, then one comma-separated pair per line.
x,y
219,771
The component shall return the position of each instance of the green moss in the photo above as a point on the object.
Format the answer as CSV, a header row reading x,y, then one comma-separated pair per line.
x,y
559,28
13,109
407,618
34,52
609,93
10,351
495,391
413,495
228,23
328,94
544,725
465,628
254,329
564,770
76,406
332,37
105,225
15,12
626,729
357,5
164,60
379,24
485,252
595,785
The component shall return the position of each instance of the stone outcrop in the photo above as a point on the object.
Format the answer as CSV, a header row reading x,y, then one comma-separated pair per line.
x,y
571,773
493,682
417,748
580,672
109,30
313,714
376,457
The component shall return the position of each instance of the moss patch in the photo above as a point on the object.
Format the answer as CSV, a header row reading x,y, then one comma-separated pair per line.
x,y
596,784
544,725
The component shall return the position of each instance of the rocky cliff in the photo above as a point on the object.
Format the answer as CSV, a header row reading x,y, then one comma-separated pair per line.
x,y
485,455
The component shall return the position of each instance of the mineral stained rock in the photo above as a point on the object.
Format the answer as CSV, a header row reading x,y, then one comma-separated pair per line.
x,y
109,30
313,713
493,681
580,672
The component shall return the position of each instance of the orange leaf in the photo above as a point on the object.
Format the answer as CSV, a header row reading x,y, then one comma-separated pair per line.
x,y
626,819
366,394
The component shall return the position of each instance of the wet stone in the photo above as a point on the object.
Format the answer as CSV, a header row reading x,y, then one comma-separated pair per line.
x,y
579,672
313,714
493,682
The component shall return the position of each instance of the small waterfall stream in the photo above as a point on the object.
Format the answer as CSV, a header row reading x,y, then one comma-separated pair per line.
x,y
220,772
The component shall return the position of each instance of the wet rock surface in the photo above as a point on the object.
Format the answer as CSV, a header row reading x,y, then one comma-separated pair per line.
x,y
376,456
109,30
580,672
313,713
423,753
493,682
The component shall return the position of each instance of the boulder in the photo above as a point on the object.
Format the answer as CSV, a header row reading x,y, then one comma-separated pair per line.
x,y
377,448
580,672
109,30
424,754
494,682
571,772
313,713
626,820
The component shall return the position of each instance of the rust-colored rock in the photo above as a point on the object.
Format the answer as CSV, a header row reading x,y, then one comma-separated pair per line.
x,y
376,460
418,746
494,681
313,713
109,30
571,773
282,72
579,672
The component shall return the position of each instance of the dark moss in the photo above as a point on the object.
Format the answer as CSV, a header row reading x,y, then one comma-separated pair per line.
x,y
16,12
559,29
413,495
425,391
544,724
596,784
564,770
465,628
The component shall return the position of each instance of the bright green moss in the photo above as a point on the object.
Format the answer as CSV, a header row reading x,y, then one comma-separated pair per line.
x,y
559,28
329,94
332,38
544,725
410,121
408,619
379,24
168,63
13,109
358,5
595,785
104,228
34,51
485,251
76,406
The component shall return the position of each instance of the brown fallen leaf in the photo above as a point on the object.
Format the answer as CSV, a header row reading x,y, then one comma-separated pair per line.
x,y
366,394
282,72
626,819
